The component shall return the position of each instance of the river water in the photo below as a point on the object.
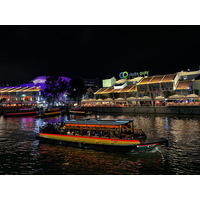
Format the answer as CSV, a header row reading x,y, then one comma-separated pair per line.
x,y
21,153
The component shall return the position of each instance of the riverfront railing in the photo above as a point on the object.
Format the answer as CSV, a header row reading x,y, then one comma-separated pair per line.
x,y
150,104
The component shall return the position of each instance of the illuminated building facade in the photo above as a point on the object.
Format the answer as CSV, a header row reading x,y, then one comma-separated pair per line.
x,y
184,82
27,92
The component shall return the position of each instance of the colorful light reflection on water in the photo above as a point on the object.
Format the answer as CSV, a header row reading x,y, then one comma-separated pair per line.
x,y
21,153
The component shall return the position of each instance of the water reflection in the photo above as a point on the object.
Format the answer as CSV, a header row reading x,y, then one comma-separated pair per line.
x,y
22,154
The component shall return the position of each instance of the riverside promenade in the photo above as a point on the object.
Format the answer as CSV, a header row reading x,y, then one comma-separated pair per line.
x,y
179,110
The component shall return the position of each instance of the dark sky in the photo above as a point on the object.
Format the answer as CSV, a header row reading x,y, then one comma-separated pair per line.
x,y
96,51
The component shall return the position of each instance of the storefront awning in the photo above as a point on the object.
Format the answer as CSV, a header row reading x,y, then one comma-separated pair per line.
x,y
168,78
176,97
183,85
19,89
100,90
145,80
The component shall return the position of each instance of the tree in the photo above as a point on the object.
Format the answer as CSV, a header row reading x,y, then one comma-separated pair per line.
x,y
76,89
167,94
54,86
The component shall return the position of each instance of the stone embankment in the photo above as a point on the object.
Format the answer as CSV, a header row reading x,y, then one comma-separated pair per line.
x,y
182,110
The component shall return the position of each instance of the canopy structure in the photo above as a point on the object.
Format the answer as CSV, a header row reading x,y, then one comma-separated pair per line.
x,y
192,96
183,85
120,81
99,100
157,79
120,99
160,98
176,97
88,100
136,79
145,98
92,100
101,90
101,123
20,89
132,99
108,100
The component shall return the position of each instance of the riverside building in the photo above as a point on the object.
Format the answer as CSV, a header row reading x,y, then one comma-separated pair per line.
x,y
26,92
184,82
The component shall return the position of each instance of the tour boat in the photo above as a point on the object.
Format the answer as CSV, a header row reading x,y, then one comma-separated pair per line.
x,y
48,112
79,111
106,135
20,112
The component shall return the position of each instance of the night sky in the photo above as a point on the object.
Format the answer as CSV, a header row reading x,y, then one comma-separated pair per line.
x,y
96,51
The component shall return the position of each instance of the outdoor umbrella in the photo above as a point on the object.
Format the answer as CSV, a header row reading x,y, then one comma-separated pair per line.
x,y
145,98
120,99
108,99
92,100
160,98
132,99
192,96
176,97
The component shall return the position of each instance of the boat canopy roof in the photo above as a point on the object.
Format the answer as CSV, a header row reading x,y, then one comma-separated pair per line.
x,y
99,122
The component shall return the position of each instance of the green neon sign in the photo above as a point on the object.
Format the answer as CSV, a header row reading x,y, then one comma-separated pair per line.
x,y
123,74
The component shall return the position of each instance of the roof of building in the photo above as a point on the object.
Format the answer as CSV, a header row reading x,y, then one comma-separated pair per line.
x,y
116,90
19,89
157,79
127,88
168,78
36,84
121,81
136,79
133,89
108,90
145,80
100,90
183,85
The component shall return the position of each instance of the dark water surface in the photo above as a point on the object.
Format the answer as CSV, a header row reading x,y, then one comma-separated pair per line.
x,y
21,153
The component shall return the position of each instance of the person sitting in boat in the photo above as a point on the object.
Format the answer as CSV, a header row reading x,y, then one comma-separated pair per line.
x,y
68,132
116,134
105,133
88,133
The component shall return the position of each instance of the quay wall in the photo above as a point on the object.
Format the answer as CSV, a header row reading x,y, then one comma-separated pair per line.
x,y
182,110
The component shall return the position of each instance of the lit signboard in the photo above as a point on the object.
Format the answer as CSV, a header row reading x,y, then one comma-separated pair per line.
x,y
144,73
109,82
125,74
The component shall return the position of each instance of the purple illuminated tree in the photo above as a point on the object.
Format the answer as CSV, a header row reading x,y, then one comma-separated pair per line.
x,y
54,86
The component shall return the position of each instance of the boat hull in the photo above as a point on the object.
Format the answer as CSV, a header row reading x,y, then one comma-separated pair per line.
x,y
103,144
19,114
49,114
73,112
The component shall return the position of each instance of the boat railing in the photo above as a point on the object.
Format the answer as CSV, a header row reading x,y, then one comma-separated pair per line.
x,y
92,131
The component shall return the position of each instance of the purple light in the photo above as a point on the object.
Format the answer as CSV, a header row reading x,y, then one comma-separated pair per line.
x,y
40,81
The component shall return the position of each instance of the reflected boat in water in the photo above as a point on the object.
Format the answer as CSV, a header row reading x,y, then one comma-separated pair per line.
x,y
20,112
79,111
49,112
